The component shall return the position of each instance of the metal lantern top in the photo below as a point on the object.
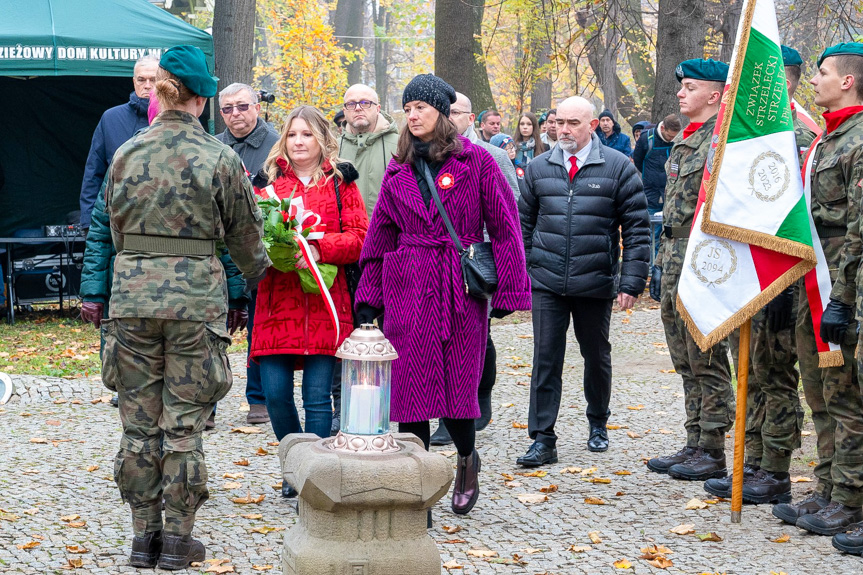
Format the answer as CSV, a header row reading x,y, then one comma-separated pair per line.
x,y
367,343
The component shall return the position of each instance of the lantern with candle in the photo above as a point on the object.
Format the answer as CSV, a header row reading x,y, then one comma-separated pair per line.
x,y
367,358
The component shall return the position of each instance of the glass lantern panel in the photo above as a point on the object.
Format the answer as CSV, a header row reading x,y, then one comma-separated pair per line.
x,y
365,397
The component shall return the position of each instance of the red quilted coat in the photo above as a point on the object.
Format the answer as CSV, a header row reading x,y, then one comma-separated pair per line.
x,y
287,320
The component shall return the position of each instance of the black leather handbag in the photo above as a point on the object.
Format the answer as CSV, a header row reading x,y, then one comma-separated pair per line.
x,y
477,261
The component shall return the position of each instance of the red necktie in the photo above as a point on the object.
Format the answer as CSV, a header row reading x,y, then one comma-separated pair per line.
x,y
573,167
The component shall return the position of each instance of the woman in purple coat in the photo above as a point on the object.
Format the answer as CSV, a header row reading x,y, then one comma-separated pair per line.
x,y
411,273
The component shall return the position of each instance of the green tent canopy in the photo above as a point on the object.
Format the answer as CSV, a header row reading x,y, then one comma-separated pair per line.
x,y
62,64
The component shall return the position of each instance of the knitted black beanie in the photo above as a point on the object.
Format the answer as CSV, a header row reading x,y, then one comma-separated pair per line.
x,y
432,90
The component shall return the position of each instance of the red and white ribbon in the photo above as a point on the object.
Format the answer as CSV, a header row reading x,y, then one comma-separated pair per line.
x,y
319,279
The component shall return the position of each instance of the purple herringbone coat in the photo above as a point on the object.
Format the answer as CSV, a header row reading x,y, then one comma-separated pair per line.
x,y
410,268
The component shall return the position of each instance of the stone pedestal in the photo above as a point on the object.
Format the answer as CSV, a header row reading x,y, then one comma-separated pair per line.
x,y
362,514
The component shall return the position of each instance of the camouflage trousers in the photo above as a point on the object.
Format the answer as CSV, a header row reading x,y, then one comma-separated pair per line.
x,y
774,416
168,374
833,394
706,376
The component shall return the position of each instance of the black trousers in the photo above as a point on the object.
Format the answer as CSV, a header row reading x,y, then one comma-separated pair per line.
x,y
590,321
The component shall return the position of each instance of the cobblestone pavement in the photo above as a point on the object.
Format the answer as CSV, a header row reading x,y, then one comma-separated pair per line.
x,y
56,486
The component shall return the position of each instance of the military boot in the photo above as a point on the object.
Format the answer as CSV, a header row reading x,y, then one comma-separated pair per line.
x,y
146,549
722,487
851,541
704,464
662,463
767,487
179,551
833,519
791,512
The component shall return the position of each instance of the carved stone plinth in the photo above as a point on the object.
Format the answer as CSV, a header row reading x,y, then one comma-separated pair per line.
x,y
362,513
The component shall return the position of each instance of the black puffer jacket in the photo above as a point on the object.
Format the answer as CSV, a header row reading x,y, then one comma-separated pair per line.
x,y
571,235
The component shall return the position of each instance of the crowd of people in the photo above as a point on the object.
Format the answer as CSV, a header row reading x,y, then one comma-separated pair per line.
x,y
175,263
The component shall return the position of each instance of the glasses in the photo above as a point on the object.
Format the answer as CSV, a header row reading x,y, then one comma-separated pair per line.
x,y
364,104
456,113
240,108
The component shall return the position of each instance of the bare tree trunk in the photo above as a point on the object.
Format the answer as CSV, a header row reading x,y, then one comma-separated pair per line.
x,y
638,52
382,47
233,44
458,56
540,96
680,36
728,28
348,19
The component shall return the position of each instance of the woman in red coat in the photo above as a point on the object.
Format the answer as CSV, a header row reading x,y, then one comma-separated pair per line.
x,y
294,330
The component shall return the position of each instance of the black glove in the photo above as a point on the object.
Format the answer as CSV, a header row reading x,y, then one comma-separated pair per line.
x,y
367,314
252,283
780,311
237,319
91,312
835,321
656,283
500,313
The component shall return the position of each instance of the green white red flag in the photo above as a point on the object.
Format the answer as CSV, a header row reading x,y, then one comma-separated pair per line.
x,y
751,236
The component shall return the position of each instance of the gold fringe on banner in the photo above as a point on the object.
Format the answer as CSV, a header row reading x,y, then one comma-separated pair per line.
x,y
706,341
831,359
752,237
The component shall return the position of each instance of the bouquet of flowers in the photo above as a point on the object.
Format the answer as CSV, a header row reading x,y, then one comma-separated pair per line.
x,y
287,227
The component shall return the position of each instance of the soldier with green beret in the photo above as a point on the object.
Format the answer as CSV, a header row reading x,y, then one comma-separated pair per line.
x,y
172,192
835,171
708,398
774,416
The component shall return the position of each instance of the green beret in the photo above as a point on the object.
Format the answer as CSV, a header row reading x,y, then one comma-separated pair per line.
x,y
697,69
842,49
791,57
189,65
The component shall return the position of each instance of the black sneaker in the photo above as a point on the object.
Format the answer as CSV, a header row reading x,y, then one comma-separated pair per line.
x,y
722,487
179,551
767,487
705,464
661,464
146,549
791,512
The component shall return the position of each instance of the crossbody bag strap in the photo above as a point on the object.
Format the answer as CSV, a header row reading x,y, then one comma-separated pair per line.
x,y
440,208
338,200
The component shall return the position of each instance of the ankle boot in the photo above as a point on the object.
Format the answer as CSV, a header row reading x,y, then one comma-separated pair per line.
x,y
722,487
704,464
466,490
441,435
146,549
178,551
484,409
767,487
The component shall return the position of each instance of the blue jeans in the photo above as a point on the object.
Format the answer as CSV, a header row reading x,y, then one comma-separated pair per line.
x,y
652,208
254,387
277,377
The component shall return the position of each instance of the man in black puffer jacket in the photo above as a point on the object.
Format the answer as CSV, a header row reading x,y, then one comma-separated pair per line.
x,y
571,218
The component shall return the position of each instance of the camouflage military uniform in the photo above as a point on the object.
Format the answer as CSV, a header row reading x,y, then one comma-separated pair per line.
x,y
836,197
172,192
706,375
774,416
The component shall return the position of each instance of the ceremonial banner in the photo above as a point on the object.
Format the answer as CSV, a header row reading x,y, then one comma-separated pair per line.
x,y
751,237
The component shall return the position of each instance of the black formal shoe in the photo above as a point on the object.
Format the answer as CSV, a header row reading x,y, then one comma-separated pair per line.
x,y
538,454
484,410
288,491
662,463
598,440
833,519
115,400
441,435
851,541
791,512
722,487
767,487
178,552
146,549
704,464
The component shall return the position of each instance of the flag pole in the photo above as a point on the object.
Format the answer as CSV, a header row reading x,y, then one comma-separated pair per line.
x,y
740,421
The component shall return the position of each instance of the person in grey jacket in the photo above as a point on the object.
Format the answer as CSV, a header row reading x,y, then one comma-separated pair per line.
x,y
580,196
462,116
252,139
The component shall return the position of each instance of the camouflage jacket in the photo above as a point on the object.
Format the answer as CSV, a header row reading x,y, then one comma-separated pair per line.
x,y
803,135
176,185
836,187
684,168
